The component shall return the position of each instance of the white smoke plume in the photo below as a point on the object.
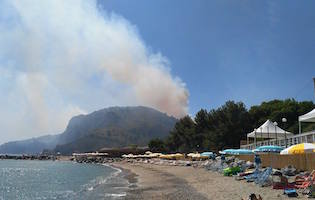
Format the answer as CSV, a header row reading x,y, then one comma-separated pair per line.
x,y
61,58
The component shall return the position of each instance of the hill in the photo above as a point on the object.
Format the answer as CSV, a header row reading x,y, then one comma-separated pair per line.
x,y
114,127
109,127
30,146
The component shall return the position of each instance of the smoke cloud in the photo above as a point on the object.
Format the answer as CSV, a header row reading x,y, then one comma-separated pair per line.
x,y
62,58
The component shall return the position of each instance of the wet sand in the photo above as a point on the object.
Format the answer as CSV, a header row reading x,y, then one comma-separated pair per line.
x,y
177,182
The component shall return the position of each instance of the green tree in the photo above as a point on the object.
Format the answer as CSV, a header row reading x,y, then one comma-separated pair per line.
x,y
157,145
229,124
275,110
180,138
225,126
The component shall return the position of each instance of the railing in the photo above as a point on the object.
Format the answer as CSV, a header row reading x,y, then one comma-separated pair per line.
x,y
308,137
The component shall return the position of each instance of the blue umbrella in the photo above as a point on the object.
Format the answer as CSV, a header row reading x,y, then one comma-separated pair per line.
x,y
207,154
243,151
275,149
228,151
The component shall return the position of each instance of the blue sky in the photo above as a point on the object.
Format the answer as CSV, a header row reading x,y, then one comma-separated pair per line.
x,y
61,58
250,51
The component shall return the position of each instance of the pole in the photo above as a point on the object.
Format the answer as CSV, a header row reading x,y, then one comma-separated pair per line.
x,y
276,134
255,139
300,128
285,138
268,134
261,135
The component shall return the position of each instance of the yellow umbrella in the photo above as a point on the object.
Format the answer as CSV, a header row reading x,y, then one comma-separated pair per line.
x,y
299,149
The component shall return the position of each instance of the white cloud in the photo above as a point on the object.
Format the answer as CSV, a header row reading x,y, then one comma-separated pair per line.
x,y
61,58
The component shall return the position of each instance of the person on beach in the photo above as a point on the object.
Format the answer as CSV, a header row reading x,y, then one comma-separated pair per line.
x,y
213,156
222,159
257,161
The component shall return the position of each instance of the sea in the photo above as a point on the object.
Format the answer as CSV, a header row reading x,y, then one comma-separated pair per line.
x,y
60,180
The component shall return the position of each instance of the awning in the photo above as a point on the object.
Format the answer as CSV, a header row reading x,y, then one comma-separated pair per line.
x,y
308,117
268,130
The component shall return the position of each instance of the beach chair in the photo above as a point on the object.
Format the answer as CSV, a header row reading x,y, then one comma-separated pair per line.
x,y
300,179
305,182
282,183
263,178
252,177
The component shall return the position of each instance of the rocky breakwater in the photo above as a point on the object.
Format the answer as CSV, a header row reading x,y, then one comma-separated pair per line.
x,y
95,159
28,157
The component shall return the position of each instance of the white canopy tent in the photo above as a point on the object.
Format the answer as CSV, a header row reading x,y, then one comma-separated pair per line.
x,y
269,131
308,117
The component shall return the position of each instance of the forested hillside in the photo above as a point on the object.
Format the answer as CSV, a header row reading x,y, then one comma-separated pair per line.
x,y
226,126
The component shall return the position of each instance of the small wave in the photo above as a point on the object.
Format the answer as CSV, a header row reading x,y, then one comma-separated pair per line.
x,y
101,180
115,195
90,188
118,171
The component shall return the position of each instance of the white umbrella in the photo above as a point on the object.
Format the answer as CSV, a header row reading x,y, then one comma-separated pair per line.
x,y
299,149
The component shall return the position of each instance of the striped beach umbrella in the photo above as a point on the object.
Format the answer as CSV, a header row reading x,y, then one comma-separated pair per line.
x,y
299,149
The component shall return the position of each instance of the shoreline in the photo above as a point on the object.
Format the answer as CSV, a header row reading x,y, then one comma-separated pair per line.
x,y
184,180
154,184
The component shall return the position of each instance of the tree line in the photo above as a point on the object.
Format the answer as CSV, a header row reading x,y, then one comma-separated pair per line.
x,y
227,125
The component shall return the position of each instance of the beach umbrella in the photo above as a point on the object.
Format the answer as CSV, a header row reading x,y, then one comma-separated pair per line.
x,y
194,155
228,151
243,152
270,148
299,149
206,154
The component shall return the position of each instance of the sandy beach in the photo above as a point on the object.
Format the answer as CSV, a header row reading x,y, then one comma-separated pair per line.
x,y
178,182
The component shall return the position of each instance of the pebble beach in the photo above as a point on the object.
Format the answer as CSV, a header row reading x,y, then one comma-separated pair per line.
x,y
187,182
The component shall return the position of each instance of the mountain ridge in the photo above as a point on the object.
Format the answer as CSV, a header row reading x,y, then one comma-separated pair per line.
x,y
108,127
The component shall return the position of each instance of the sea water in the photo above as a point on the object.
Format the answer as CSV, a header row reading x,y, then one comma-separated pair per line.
x,y
37,180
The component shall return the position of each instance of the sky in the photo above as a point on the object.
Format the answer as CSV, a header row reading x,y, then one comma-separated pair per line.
x,y
250,51
63,58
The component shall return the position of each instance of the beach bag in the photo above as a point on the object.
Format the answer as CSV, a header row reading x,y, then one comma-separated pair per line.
x,y
291,192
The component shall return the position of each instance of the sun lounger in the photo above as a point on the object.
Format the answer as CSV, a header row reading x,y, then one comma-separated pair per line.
x,y
263,178
282,183
252,177
305,182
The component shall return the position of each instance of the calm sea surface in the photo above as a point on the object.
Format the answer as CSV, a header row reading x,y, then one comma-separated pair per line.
x,y
36,180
